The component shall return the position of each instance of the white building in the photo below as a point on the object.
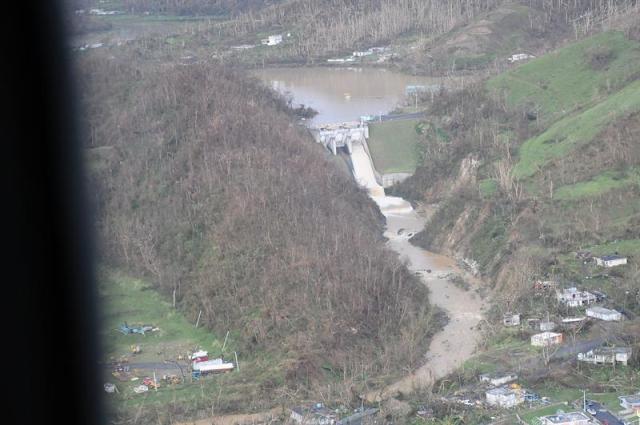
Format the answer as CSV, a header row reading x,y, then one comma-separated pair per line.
x,y
545,339
606,355
273,40
504,397
519,57
362,54
572,418
604,314
572,297
611,260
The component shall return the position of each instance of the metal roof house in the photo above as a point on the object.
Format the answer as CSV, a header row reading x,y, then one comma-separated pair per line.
x,y
611,260
604,314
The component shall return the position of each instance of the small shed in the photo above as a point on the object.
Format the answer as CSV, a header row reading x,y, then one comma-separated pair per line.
x,y
611,260
545,339
604,314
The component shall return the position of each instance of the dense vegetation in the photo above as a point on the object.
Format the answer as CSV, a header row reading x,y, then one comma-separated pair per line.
x,y
205,186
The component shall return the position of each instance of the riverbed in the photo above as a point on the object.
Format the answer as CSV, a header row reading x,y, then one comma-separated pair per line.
x,y
457,341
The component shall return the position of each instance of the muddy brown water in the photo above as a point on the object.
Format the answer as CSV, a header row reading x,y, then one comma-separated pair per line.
x,y
345,93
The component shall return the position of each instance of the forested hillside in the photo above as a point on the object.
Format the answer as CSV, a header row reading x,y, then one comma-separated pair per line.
x,y
205,186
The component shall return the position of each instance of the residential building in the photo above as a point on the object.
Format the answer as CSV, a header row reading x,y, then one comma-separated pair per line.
x,y
545,339
572,418
611,260
314,415
504,397
607,355
604,314
572,297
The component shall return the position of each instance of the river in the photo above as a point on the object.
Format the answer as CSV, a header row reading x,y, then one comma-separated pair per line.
x,y
343,95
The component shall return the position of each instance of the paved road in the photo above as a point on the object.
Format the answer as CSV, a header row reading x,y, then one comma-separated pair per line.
x,y
604,416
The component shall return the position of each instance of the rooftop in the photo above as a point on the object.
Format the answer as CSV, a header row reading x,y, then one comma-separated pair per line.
x,y
612,257
566,417
501,391
631,399
602,310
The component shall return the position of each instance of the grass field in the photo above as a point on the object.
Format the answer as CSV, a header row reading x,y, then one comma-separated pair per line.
x,y
132,300
123,298
394,146
599,185
573,77
574,131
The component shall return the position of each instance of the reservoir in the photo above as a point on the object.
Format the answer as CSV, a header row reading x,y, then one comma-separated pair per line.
x,y
346,93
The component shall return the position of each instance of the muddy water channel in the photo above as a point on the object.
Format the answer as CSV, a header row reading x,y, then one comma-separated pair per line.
x,y
346,94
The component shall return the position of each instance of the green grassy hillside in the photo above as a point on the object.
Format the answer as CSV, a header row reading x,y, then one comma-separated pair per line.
x,y
575,131
572,78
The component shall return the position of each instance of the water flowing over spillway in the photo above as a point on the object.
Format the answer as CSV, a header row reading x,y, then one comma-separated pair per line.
x,y
458,340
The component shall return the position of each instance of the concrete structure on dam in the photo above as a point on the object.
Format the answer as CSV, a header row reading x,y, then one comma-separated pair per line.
x,y
352,136
342,135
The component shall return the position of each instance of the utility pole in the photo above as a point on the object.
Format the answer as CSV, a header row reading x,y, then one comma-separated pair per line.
x,y
584,400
